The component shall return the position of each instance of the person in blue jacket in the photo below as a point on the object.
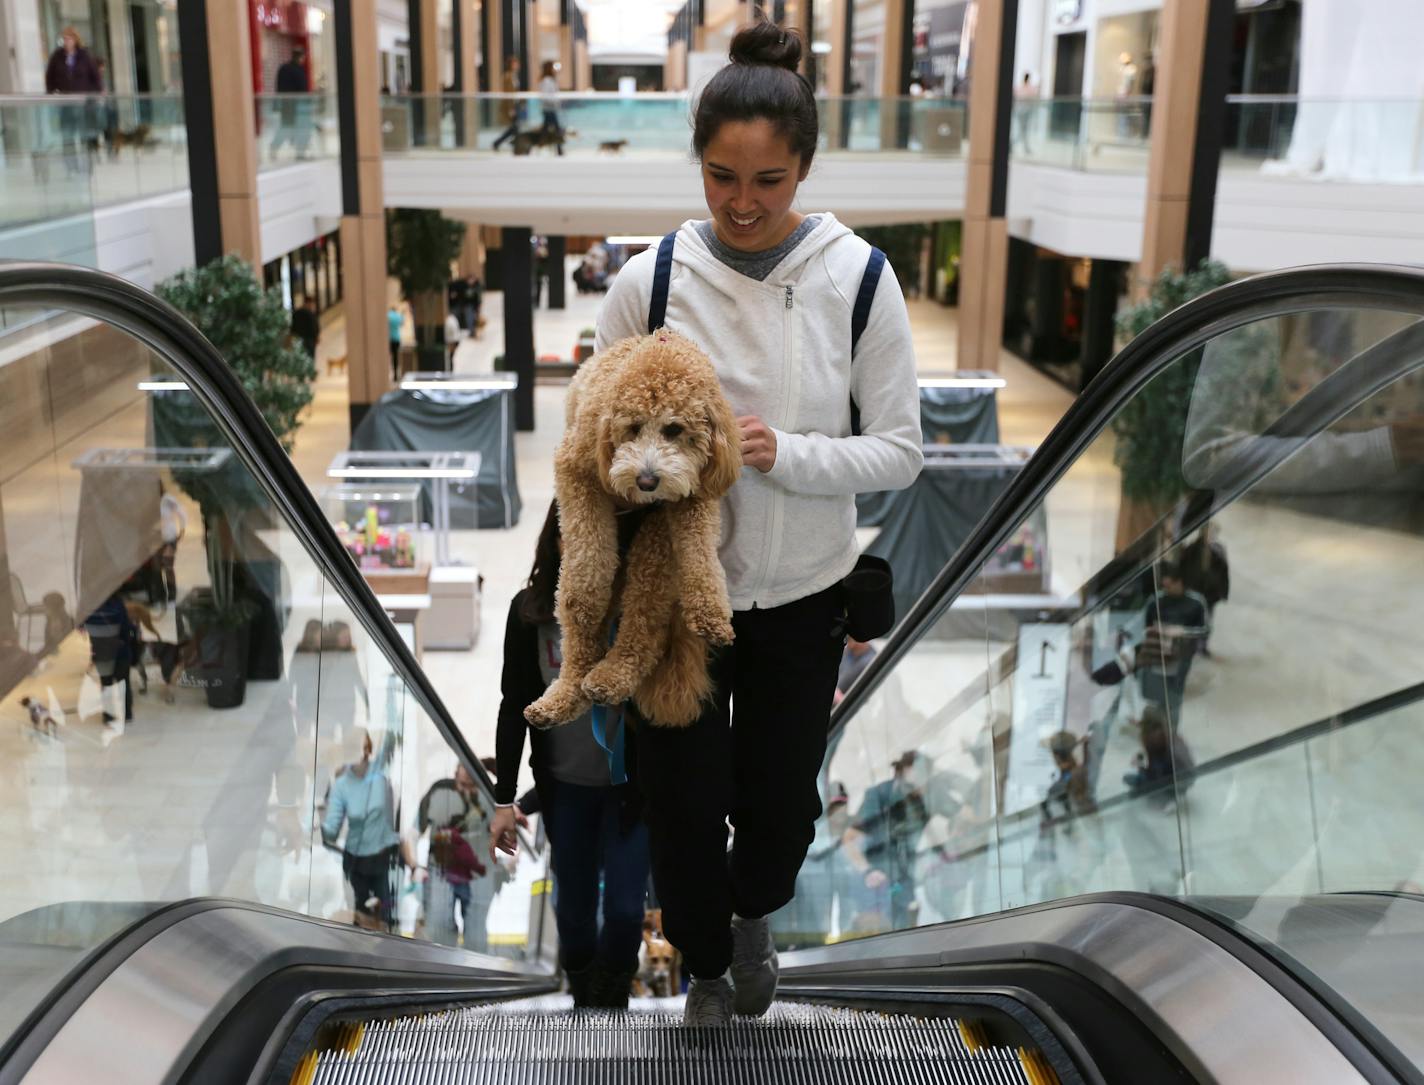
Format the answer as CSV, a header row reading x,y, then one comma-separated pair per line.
x,y
361,796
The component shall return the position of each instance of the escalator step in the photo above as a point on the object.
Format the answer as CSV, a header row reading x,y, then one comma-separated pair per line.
x,y
532,1044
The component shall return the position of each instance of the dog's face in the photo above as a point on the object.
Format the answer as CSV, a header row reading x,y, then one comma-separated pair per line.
x,y
657,456
670,433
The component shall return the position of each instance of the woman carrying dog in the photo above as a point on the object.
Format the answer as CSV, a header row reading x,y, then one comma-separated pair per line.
x,y
770,294
591,812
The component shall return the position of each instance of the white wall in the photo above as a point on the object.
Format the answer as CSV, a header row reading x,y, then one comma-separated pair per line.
x,y
1261,222
651,195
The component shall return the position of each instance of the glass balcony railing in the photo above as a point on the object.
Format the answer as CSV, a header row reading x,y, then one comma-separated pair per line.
x,y
1096,136
1325,139
63,157
67,155
296,128
636,124
200,697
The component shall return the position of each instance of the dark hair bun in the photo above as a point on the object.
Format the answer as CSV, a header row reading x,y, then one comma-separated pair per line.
x,y
765,43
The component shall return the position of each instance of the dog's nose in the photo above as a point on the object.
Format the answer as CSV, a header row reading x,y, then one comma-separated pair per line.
x,y
647,483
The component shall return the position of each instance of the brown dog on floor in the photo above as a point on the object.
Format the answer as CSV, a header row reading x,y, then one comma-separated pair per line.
x,y
333,363
646,426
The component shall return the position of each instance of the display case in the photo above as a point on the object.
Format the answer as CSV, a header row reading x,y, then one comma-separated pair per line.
x,y
379,524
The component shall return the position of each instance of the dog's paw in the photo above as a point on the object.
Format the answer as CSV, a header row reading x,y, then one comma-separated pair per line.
x,y
561,703
710,623
606,684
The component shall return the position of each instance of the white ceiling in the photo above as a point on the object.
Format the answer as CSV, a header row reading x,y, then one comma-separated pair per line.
x,y
629,27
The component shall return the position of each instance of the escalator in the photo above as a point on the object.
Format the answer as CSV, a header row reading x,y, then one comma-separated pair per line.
x,y
1063,840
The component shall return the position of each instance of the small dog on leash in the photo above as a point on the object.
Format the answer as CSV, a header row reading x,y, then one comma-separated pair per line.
x,y
40,719
333,364
612,146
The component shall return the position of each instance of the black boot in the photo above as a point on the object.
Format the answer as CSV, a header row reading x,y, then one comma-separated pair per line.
x,y
582,986
611,988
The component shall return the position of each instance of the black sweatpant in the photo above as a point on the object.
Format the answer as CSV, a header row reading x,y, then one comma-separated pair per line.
x,y
757,765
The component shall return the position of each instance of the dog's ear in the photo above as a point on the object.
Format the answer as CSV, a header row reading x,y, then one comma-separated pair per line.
x,y
724,461
603,448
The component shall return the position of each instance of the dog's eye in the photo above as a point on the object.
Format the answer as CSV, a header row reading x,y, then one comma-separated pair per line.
x,y
634,428
672,430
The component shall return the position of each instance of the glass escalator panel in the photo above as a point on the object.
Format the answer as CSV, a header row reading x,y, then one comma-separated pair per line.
x,y
1192,667
192,707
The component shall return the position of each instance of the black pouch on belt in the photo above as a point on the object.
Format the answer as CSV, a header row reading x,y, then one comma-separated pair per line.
x,y
869,598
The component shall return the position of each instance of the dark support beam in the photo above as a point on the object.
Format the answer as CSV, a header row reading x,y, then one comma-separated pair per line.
x,y
1003,111
558,274
457,20
517,274
416,31
346,109
202,143
1211,130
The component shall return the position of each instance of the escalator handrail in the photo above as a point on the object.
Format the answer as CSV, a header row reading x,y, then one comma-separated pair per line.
x,y
1395,288
145,316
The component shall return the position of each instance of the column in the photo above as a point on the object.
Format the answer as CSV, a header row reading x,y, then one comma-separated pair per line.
x,y
897,46
837,118
214,39
493,11
363,224
424,27
984,259
517,281
466,33
558,273
1188,118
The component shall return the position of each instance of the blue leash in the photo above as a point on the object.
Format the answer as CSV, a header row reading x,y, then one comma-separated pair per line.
x,y
617,765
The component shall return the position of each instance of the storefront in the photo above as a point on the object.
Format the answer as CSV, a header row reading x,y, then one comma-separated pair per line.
x,y
313,270
137,41
1059,310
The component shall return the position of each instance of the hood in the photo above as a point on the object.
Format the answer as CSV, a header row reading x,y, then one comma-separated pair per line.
x,y
692,252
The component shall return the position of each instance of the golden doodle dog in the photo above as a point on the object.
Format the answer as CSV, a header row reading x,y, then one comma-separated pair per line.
x,y
646,425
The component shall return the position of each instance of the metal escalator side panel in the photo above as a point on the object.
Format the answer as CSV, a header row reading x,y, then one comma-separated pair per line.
x,y
1219,1015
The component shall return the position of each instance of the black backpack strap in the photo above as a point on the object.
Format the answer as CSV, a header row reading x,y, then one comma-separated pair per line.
x,y
662,276
860,316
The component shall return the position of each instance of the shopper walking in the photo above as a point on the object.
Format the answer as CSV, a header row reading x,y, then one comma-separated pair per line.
x,y
511,109
768,292
73,71
549,102
591,812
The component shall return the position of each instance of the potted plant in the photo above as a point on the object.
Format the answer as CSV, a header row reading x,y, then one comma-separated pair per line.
x,y
1151,427
218,620
420,246
250,328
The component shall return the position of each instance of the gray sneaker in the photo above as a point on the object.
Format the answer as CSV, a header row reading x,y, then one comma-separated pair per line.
x,y
755,968
709,1004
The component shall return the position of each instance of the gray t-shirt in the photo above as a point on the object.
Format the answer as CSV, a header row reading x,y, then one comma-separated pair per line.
x,y
755,265
575,757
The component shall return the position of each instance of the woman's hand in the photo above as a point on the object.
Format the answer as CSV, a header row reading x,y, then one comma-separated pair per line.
x,y
502,835
758,443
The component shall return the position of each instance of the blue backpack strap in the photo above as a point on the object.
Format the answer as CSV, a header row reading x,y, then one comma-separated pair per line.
x,y
860,316
662,275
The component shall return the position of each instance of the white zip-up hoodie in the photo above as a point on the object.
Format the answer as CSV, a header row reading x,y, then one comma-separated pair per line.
x,y
782,350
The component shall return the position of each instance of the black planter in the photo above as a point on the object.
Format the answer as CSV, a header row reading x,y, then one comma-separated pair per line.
x,y
219,660
222,654
430,358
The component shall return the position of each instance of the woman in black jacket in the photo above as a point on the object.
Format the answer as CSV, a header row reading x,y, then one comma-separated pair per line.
x,y
591,810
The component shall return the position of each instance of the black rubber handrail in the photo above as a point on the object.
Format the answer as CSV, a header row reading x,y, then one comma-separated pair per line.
x,y
1279,293
141,314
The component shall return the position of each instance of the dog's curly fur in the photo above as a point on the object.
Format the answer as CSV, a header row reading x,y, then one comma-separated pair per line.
x,y
647,424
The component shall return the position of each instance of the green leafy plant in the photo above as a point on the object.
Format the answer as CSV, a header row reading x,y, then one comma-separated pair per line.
x,y
1151,427
420,245
902,246
251,330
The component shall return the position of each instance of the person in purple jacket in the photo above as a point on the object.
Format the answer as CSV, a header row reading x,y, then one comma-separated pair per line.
x,y
72,70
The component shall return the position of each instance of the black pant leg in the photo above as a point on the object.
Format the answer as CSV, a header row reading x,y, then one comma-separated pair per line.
x,y
686,777
787,659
